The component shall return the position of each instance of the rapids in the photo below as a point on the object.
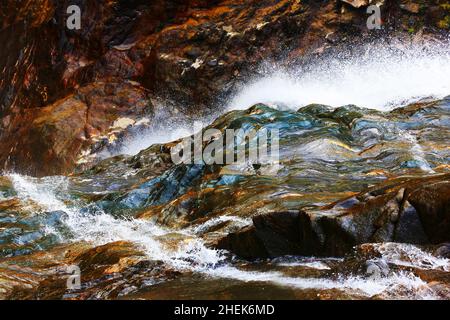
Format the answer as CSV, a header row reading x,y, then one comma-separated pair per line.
x,y
82,223
383,114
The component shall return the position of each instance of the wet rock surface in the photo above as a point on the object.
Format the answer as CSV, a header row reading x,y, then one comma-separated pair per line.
x,y
356,206
107,272
381,214
58,133
344,214
196,52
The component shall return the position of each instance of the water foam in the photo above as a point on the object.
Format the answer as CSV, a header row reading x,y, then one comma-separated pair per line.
x,y
236,221
378,76
154,135
165,127
399,285
191,254
416,150
411,256
91,224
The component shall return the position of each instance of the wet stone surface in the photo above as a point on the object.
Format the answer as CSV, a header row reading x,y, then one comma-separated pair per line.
x,y
356,192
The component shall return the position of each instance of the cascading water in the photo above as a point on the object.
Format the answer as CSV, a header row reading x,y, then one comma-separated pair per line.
x,y
98,227
325,154
377,76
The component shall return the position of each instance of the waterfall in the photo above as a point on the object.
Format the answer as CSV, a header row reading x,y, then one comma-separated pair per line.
x,y
378,76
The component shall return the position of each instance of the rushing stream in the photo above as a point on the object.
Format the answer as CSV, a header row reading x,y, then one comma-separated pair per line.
x,y
382,115
61,218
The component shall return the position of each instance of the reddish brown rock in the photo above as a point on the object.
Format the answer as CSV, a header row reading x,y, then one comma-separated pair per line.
x,y
411,7
189,51
56,134
107,272
35,12
357,3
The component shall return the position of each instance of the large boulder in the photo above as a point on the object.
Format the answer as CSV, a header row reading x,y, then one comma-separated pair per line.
x,y
273,235
406,210
432,203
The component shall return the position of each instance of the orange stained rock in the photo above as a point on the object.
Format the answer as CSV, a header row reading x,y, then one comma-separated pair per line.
x,y
378,172
442,167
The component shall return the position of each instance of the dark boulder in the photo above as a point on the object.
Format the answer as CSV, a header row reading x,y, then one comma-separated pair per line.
x,y
406,210
432,203
273,235
443,251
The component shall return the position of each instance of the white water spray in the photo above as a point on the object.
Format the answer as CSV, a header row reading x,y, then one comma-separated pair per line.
x,y
379,77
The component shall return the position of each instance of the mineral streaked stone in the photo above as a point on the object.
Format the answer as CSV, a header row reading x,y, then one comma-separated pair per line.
x,y
46,64
411,210
411,7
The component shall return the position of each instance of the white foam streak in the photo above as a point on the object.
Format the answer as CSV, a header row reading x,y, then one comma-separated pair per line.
x,y
153,136
416,150
236,221
398,285
165,127
40,193
411,256
97,227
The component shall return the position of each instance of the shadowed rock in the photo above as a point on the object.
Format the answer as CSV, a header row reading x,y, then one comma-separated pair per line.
x,y
407,210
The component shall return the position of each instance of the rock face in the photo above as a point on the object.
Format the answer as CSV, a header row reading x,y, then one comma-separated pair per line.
x,y
191,51
415,211
142,227
59,132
